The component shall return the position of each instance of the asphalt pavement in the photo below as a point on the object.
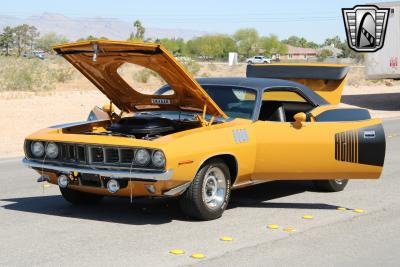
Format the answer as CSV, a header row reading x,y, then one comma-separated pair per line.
x,y
37,227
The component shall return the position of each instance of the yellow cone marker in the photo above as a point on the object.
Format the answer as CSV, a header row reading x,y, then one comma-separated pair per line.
x,y
46,186
177,251
308,217
198,256
358,210
289,229
341,208
273,226
226,238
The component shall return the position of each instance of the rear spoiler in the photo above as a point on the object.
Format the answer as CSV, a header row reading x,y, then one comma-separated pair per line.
x,y
327,80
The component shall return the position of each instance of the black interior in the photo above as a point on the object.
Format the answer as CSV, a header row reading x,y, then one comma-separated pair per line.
x,y
282,110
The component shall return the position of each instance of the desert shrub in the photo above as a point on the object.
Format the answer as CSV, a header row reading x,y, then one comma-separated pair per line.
x,y
63,74
20,74
192,66
142,76
212,67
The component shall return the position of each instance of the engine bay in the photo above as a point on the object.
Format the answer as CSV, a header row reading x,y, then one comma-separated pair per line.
x,y
146,127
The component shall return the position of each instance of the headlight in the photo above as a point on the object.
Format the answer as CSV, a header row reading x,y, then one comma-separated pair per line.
x,y
158,159
37,149
52,150
142,156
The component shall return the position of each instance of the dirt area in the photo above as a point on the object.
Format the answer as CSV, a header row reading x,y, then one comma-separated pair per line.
x,y
24,113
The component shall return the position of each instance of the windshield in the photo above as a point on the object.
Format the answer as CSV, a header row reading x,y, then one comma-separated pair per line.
x,y
236,102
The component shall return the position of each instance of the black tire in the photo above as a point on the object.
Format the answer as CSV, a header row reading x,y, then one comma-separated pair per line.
x,y
79,198
192,202
330,185
249,62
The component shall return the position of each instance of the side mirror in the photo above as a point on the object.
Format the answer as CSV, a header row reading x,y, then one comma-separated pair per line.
x,y
299,119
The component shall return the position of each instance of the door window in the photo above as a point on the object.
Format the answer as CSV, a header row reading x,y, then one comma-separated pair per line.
x,y
282,105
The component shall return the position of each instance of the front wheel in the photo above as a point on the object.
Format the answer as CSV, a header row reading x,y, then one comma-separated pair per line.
x,y
330,185
79,198
208,195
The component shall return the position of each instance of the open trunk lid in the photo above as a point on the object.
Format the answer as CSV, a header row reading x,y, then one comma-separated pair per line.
x,y
99,61
327,80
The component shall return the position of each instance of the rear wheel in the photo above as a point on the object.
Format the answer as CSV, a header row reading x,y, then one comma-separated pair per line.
x,y
330,185
79,198
208,195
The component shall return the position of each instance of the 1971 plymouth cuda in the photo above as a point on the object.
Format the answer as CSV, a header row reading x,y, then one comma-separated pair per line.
x,y
198,139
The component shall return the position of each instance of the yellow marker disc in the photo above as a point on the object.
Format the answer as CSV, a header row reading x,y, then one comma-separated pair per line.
x,y
273,226
198,256
46,185
177,251
289,229
341,208
358,210
308,217
226,238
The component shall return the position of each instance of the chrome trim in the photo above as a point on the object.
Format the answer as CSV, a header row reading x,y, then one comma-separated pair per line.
x,y
177,190
116,174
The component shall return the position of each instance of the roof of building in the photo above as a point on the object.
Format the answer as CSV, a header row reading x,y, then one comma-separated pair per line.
x,y
300,50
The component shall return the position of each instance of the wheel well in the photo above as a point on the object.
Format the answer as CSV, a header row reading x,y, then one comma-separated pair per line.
x,y
231,162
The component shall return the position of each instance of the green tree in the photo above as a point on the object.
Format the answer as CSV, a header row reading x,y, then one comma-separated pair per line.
x,y
48,40
324,54
7,39
32,35
247,40
211,46
175,46
299,42
272,45
91,38
139,31
21,37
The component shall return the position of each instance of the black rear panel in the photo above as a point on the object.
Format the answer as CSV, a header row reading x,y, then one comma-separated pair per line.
x,y
364,146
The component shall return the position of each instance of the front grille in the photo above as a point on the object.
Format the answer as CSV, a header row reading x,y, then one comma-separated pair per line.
x,y
98,155
112,155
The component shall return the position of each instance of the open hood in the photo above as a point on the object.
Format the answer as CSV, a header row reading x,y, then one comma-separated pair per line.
x,y
99,61
327,80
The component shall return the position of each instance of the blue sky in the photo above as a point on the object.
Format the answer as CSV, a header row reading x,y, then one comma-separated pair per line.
x,y
315,20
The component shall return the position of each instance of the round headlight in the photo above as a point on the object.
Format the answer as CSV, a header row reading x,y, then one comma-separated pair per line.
x,y
52,150
37,149
158,159
142,156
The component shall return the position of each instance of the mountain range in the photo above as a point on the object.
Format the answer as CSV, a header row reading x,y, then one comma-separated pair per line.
x,y
75,28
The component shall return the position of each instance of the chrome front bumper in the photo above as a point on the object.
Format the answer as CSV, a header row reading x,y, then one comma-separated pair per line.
x,y
116,174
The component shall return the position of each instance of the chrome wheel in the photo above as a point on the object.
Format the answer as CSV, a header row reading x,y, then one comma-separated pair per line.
x,y
339,181
214,188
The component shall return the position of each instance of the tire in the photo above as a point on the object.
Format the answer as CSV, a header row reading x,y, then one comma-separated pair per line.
x,y
197,201
249,62
79,198
330,185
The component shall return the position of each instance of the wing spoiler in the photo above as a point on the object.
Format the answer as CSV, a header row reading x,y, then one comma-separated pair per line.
x,y
327,80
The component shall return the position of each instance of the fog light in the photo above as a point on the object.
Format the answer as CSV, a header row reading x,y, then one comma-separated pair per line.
x,y
150,188
112,186
63,181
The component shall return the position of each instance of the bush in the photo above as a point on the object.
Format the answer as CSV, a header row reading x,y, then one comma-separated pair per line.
x,y
62,74
192,66
18,74
142,76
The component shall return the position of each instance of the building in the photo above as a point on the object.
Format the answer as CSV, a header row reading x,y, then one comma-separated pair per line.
x,y
299,53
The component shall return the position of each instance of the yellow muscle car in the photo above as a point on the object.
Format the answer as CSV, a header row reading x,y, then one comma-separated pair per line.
x,y
197,139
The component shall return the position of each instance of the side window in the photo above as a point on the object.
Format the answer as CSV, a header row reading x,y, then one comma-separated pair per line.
x,y
282,105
